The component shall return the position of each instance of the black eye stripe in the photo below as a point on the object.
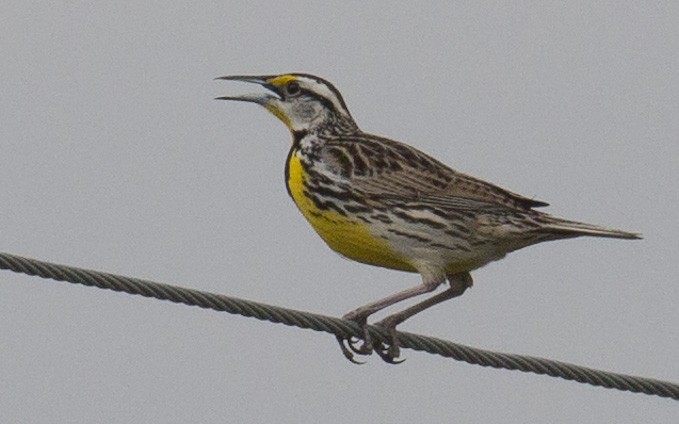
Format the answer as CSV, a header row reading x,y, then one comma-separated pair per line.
x,y
326,102
329,85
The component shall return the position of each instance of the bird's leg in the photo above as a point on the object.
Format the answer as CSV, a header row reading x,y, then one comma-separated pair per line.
x,y
360,316
459,283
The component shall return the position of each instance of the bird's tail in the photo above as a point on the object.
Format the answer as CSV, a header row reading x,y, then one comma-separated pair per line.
x,y
566,228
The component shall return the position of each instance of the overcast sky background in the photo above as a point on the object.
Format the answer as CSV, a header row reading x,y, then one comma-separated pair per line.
x,y
113,156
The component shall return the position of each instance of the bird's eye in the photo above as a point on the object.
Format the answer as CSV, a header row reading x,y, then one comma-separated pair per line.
x,y
293,89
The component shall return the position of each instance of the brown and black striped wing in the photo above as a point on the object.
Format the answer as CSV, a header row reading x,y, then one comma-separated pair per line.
x,y
381,167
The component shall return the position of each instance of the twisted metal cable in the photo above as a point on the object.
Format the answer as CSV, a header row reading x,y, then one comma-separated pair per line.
x,y
337,326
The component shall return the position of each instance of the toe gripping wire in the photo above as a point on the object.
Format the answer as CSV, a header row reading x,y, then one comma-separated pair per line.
x,y
344,329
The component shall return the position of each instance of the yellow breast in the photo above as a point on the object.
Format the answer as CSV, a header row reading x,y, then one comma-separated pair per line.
x,y
345,235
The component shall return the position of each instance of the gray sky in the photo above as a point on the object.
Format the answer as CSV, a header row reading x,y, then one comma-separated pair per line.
x,y
115,157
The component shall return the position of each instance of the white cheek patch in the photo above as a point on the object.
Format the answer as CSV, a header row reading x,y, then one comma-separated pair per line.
x,y
305,111
299,116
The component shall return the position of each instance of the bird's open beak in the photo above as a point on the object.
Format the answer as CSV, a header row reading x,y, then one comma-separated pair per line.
x,y
259,98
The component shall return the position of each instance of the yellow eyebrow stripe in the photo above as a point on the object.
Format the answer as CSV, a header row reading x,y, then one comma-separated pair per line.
x,y
281,80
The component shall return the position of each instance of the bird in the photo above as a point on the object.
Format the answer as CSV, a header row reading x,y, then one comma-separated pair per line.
x,y
385,203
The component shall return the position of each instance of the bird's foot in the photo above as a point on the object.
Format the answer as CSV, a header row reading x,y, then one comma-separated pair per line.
x,y
355,345
391,352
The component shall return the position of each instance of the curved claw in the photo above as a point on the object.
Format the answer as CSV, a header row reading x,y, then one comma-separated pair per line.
x,y
355,347
347,351
391,353
365,348
352,345
389,356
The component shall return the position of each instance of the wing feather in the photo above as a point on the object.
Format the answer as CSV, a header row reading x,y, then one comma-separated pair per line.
x,y
383,167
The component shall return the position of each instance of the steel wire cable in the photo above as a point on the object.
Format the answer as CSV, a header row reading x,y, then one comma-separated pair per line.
x,y
337,326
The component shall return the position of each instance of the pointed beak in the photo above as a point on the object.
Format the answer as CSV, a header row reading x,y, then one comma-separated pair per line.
x,y
259,98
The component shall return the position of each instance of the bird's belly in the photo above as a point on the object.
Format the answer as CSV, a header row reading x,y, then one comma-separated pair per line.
x,y
404,241
433,249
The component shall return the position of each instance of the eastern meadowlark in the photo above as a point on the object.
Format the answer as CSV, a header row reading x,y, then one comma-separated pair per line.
x,y
384,203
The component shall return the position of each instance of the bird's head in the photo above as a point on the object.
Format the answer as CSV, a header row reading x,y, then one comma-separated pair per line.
x,y
303,102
